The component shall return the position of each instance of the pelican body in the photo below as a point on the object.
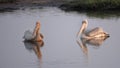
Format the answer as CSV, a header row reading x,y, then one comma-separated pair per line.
x,y
96,33
35,36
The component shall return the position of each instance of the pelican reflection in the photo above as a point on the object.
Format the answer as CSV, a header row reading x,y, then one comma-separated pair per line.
x,y
95,42
34,46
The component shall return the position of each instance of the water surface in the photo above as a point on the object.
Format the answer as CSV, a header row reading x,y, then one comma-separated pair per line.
x,y
60,49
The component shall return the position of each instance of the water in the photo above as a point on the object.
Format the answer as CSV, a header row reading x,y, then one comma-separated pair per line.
x,y
60,49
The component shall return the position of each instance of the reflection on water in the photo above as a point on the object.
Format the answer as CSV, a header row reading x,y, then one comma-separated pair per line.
x,y
35,46
96,14
83,47
103,14
95,42
100,14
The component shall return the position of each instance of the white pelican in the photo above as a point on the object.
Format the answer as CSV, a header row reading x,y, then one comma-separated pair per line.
x,y
96,33
35,36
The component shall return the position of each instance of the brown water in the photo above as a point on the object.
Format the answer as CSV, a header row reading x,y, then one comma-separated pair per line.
x,y
60,49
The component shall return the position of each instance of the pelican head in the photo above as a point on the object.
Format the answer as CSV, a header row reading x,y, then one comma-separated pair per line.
x,y
83,27
38,24
37,28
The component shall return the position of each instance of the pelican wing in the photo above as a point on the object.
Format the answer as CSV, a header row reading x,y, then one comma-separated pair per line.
x,y
28,35
95,31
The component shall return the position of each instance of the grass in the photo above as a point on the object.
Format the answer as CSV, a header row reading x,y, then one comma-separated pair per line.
x,y
92,5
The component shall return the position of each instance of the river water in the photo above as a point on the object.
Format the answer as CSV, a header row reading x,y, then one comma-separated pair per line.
x,y
60,49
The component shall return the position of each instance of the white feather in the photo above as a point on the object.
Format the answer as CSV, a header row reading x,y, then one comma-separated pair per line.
x,y
28,35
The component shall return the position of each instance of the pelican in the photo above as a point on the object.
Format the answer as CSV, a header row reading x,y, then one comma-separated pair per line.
x,y
35,35
96,33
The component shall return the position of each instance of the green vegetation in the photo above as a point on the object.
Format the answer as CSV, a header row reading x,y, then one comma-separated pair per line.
x,y
7,1
92,5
